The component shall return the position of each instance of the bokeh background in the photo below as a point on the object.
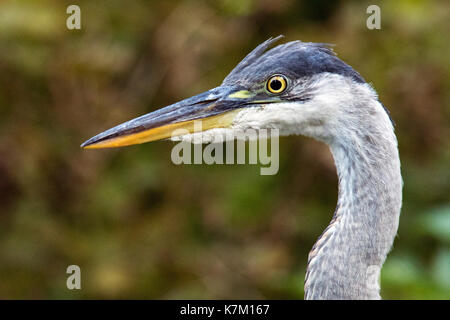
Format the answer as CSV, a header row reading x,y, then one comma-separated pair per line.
x,y
140,226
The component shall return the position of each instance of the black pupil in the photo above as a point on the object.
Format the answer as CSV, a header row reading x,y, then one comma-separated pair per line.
x,y
275,84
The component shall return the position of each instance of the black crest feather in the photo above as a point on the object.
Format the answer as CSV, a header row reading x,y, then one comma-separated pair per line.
x,y
295,58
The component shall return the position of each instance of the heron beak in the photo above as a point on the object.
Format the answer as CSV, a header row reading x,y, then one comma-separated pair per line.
x,y
216,108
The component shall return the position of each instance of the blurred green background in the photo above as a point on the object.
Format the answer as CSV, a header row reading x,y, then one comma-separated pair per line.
x,y
140,226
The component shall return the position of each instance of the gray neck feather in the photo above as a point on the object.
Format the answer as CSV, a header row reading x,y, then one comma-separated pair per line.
x,y
346,260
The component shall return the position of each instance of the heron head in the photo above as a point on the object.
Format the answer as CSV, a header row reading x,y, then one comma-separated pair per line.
x,y
296,87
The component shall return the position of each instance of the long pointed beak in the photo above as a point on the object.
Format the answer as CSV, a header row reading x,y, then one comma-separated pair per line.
x,y
216,108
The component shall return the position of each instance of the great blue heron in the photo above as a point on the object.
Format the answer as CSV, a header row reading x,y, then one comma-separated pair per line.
x,y
303,88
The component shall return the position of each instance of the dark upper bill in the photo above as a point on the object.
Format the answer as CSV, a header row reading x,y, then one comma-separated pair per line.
x,y
216,108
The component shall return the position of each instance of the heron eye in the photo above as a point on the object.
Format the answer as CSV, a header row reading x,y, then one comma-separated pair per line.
x,y
276,84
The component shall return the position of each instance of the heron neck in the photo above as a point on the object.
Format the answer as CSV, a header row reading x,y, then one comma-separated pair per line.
x,y
346,260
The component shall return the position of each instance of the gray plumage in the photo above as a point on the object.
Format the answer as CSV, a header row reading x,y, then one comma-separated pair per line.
x,y
345,113
326,99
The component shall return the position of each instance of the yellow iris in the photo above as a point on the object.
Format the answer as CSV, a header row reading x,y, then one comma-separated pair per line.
x,y
276,84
